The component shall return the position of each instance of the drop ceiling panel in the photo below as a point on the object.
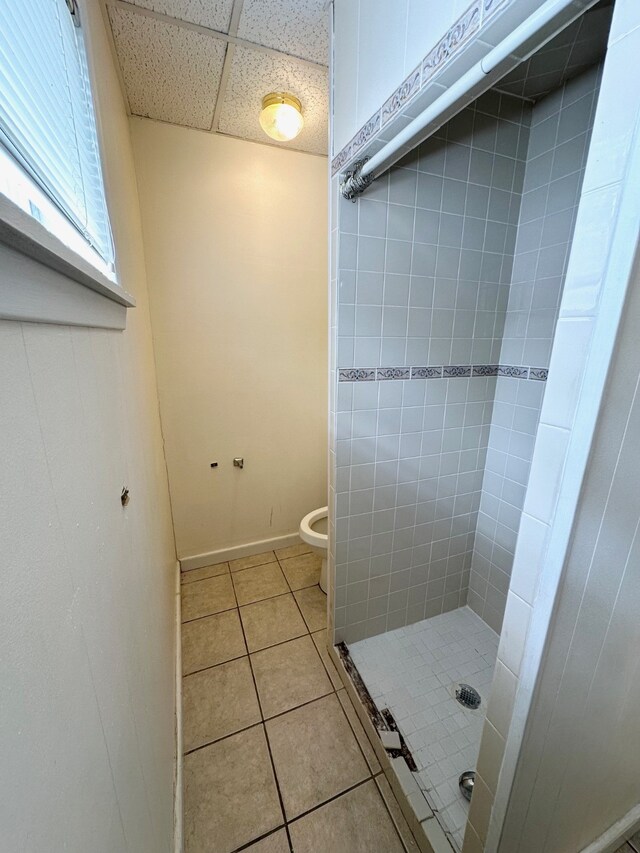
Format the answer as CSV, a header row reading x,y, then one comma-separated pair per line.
x,y
214,14
297,27
253,74
170,73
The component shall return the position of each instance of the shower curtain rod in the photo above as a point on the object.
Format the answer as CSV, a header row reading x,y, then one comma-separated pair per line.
x,y
364,172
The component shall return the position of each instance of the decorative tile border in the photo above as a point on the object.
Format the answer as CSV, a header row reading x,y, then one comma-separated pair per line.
x,y
454,38
365,134
539,373
357,374
492,6
393,373
470,23
341,159
426,373
456,371
446,371
515,371
485,369
402,95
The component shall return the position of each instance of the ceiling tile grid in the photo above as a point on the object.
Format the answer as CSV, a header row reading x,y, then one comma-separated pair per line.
x,y
215,14
254,74
176,72
299,28
170,73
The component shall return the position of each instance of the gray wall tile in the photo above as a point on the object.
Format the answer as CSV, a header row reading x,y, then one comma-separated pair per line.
x,y
460,255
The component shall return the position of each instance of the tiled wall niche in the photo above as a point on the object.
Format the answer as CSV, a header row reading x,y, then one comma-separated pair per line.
x,y
424,266
560,131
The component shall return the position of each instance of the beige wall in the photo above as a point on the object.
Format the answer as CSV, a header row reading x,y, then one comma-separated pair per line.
x,y
235,236
86,626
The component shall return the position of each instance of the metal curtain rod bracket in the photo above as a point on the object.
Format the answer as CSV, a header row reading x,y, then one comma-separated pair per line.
x,y
354,181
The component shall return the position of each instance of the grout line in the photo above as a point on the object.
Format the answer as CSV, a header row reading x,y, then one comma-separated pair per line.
x,y
248,653
214,665
249,604
332,799
207,615
252,568
266,737
301,705
246,568
262,722
391,817
260,838
277,781
186,581
224,737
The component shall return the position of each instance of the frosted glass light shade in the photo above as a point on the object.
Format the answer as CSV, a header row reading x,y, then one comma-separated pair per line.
x,y
281,116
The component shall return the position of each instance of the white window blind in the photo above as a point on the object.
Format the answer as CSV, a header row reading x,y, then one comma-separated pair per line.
x,y
47,122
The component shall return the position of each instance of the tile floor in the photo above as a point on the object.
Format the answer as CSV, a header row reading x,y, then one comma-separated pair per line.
x,y
413,671
275,757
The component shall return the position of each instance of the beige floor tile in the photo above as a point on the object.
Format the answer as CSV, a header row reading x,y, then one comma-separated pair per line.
x,y
206,597
254,560
230,795
320,639
212,640
315,754
258,583
401,825
271,621
206,572
289,675
313,603
357,822
302,571
275,843
293,551
358,730
218,702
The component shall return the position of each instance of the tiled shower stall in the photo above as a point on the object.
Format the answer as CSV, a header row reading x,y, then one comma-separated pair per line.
x,y
448,278
466,376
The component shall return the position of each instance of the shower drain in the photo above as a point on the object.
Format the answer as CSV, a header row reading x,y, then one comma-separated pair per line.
x,y
468,696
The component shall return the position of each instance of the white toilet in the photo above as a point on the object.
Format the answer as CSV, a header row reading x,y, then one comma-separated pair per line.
x,y
314,531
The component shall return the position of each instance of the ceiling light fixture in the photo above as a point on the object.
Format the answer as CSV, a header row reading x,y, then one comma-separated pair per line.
x,y
281,116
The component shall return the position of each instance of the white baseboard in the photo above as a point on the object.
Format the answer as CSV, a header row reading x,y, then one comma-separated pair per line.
x,y
177,783
198,561
617,834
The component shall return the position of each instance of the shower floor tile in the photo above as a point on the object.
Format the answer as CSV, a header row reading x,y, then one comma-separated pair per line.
x,y
414,671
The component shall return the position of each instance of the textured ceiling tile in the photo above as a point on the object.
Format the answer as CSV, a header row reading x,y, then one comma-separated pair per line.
x,y
253,75
297,27
214,14
170,73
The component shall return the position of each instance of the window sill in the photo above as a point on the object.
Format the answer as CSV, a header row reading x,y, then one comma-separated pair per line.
x,y
43,281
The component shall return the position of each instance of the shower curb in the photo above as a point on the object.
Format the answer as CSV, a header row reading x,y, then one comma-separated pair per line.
x,y
420,817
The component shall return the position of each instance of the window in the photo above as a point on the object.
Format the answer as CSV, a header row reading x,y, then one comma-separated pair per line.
x,y
49,158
